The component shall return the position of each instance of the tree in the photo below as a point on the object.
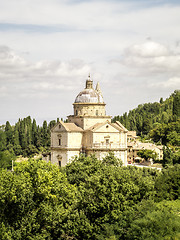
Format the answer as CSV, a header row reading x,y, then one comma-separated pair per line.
x,y
45,133
146,126
156,221
110,159
107,193
176,103
6,158
147,154
167,157
36,202
34,132
167,184
3,140
8,131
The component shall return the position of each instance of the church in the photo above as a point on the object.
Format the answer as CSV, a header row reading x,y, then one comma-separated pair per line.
x,y
88,131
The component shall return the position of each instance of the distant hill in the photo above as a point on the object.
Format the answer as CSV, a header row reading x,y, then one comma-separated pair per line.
x,y
159,121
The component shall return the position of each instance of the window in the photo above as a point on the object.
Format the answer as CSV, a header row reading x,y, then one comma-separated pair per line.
x,y
59,163
59,139
107,141
96,112
76,112
59,126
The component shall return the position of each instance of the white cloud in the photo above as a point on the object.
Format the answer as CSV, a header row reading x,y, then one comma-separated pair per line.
x,y
151,57
24,77
148,49
172,83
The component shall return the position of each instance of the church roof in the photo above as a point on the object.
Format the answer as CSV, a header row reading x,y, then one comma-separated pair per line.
x,y
69,127
89,94
72,127
121,126
94,126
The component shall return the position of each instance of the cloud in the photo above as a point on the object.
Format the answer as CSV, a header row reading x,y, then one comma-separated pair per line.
x,y
151,57
148,49
172,83
21,78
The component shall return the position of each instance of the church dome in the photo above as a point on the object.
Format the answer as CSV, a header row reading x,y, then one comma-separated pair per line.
x,y
87,96
90,95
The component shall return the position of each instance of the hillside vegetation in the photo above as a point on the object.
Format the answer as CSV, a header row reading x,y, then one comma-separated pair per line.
x,y
25,138
159,121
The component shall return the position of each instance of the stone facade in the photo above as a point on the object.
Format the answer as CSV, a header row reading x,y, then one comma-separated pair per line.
x,y
88,131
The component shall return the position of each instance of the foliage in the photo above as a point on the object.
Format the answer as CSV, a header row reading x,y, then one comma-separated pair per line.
x,y
171,156
167,185
154,221
110,159
157,121
176,103
107,192
35,202
89,199
147,154
25,137
6,159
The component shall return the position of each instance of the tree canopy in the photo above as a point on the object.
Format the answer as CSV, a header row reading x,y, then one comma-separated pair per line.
x,y
157,121
88,199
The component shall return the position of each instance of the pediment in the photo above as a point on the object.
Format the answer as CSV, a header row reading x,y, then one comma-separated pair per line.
x,y
105,127
121,126
59,127
66,127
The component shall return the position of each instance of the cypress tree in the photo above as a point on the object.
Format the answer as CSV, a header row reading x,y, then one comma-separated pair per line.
x,y
176,103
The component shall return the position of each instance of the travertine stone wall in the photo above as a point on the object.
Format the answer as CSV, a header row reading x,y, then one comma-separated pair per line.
x,y
87,122
81,109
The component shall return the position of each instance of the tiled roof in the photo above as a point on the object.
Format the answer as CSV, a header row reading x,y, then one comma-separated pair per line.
x,y
72,127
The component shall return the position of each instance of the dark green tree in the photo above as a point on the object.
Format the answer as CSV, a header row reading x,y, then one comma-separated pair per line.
x,y
167,157
167,184
9,132
6,158
176,103
3,139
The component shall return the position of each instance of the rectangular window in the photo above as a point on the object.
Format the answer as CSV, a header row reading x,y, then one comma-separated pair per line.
x,y
107,141
59,141
59,163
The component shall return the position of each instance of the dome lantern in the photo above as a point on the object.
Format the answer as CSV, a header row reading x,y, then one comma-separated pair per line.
x,y
89,83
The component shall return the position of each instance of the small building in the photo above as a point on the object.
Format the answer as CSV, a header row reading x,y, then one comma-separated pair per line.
x,y
131,136
88,131
134,147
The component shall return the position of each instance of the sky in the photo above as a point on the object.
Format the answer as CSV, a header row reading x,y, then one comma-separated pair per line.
x,y
49,47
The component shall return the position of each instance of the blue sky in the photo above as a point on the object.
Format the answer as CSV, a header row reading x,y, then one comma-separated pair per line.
x,y
48,48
